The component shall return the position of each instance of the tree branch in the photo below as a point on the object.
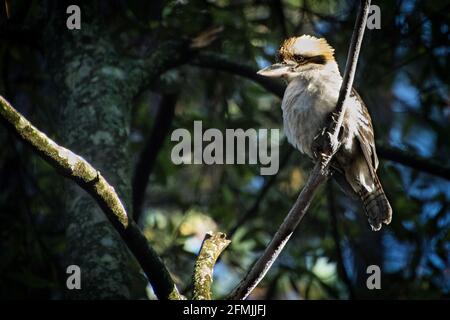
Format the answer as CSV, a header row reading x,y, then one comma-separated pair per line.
x,y
253,210
212,246
333,141
168,55
218,62
152,146
88,178
281,237
317,177
414,161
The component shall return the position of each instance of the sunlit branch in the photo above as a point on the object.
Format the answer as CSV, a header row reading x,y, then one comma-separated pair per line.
x,y
212,246
88,178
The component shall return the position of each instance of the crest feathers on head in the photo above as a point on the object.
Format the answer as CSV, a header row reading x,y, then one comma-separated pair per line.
x,y
305,45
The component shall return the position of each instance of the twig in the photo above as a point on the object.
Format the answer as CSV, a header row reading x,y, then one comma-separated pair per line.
x,y
7,9
212,246
318,175
87,177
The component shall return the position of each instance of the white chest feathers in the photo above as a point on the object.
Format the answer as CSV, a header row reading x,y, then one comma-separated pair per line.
x,y
307,102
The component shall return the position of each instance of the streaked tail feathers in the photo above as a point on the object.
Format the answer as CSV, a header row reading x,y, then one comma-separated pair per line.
x,y
376,205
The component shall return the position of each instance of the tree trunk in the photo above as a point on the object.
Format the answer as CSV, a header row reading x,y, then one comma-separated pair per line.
x,y
94,110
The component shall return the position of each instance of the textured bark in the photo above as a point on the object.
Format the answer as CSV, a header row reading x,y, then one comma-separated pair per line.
x,y
96,85
213,245
94,107
91,180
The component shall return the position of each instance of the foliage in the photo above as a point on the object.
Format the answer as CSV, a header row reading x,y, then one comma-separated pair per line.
x,y
402,75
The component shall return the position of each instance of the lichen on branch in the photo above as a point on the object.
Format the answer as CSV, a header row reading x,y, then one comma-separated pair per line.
x,y
87,177
213,245
65,160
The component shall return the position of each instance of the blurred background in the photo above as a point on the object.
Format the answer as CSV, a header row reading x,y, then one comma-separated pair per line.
x,y
402,74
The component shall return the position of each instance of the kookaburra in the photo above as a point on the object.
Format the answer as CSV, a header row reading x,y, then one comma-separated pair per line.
x,y
308,66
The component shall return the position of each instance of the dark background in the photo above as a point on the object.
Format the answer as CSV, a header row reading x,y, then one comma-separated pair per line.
x,y
115,90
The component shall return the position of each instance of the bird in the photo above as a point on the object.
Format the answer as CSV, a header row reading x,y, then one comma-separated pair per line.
x,y
308,66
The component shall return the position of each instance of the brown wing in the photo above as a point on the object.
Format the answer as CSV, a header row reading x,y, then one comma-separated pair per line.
x,y
366,136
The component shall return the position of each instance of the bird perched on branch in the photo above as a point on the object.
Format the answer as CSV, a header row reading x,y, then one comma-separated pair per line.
x,y
308,66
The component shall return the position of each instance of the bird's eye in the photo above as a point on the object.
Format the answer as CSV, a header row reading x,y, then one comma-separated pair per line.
x,y
299,58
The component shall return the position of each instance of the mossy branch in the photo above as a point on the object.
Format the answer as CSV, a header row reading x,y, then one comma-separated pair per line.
x,y
212,246
87,177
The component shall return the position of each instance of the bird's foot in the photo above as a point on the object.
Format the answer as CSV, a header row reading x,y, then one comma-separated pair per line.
x,y
319,144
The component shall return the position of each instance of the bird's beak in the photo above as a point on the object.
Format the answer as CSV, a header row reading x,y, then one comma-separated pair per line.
x,y
276,70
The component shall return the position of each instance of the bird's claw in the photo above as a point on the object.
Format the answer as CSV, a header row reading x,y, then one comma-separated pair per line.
x,y
324,147
324,162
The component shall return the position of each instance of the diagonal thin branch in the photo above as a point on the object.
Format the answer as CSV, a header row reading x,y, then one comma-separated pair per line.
x,y
347,83
316,178
253,210
281,237
87,177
